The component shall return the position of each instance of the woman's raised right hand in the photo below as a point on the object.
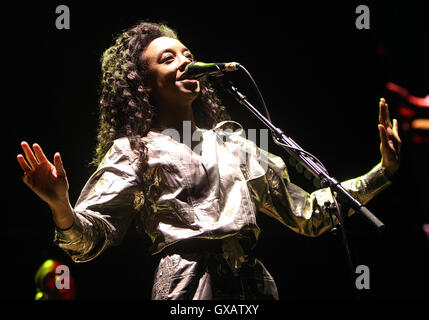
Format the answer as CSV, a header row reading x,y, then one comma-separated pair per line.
x,y
47,180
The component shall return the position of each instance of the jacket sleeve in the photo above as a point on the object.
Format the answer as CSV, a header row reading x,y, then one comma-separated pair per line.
x,y
305,213
105,207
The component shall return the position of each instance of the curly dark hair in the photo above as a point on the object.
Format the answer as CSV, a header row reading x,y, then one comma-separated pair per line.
x,y
125,109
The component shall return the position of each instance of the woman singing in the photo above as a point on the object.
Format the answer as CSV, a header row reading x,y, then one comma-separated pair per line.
x,y
198,207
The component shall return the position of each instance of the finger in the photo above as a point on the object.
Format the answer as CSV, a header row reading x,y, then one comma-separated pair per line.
x,y
39,153
388,122
29,154
395,128
396,135
383,135
384,116
26,178
23,164
381,114
58,163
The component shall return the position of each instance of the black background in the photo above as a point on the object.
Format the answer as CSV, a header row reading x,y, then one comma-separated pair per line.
x,y
322,80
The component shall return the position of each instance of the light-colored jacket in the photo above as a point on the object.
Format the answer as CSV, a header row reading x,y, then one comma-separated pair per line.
x,y
215,192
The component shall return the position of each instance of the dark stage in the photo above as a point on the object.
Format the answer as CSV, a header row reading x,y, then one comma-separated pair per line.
x,y
321,78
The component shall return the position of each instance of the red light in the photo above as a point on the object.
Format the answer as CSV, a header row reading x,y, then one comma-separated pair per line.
x,y
406,112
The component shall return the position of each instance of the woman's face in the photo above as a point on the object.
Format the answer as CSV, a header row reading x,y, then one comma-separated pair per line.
x,y
166,59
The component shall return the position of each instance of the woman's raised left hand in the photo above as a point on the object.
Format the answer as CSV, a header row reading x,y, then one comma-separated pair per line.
x,y
390,146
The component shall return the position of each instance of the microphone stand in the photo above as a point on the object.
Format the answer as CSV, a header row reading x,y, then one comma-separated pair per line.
x,y
340,195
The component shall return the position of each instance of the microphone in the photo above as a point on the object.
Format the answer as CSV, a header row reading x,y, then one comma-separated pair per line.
x,y
198,69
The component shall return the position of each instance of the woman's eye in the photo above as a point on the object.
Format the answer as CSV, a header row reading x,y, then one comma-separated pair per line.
x,y
167,58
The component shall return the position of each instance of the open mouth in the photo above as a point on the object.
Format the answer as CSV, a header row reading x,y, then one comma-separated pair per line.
x,y
190,84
